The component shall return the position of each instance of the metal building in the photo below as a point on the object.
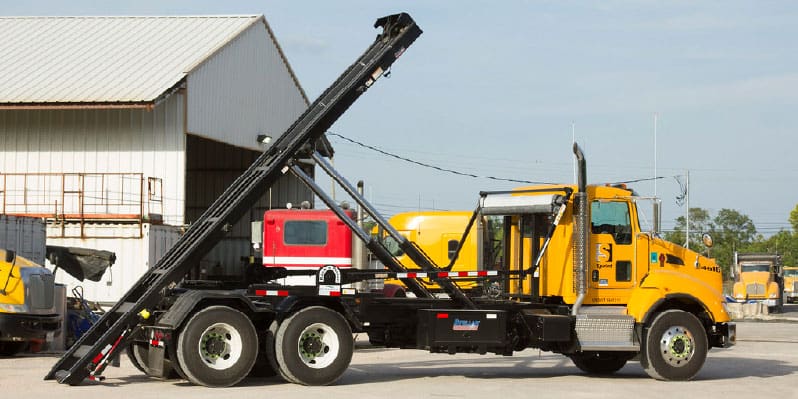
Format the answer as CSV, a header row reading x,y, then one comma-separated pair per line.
x,y
121,130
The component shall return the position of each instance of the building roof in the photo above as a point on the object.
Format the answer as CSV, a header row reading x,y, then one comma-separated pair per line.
x,y
115,61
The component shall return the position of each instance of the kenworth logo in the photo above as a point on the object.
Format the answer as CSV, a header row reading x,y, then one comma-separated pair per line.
x,y
465,325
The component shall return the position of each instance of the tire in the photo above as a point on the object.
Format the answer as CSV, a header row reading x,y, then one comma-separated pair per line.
x,y
601,363
217,347
11,348
675,346
136,356
271,352
314,346
139,352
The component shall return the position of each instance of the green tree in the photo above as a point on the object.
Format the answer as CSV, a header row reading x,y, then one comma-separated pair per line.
x,y
794,219
732,231
783,242
700,223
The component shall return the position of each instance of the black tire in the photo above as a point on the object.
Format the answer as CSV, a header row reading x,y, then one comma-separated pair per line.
x,y
675,346
11,348
601,363
314,346
139,352
217,347
271,354
136,356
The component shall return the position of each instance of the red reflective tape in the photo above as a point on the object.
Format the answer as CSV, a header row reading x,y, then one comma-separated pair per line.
x,y
154,342
442,315
282,293
482,273
260,292
443,274
97,358
411,275
335,293
462,274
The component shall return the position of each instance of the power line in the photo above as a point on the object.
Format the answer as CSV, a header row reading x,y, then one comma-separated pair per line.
x,y
427,165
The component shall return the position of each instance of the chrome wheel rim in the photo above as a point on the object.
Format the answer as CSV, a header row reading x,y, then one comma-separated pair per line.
x,y
677,346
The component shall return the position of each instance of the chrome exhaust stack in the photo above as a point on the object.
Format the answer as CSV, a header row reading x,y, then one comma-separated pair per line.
x,y
580,231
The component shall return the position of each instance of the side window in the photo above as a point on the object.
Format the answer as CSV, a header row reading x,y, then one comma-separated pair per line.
x,y
452,248
305,232
623,270
392,246
611,217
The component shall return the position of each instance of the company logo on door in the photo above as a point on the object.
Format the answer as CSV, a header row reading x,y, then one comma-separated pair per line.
x,y
465,325
603,252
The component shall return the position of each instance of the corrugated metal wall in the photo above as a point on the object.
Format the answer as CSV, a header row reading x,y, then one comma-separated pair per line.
x,y
211,168
24,235
133,257
244,90
104,141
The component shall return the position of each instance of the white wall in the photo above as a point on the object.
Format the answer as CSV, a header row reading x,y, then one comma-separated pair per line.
x,y
243,90
100,141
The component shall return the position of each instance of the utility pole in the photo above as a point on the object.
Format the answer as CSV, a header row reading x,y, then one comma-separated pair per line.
x,y
687,213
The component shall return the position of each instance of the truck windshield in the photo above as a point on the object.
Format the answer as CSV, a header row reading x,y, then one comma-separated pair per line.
x,y
759,267
791,273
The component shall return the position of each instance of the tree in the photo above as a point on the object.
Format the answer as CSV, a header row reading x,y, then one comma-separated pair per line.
x,y
699,223
732,231
794,219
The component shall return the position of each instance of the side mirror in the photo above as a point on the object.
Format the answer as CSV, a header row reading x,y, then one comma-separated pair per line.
x,y
10,256
707,239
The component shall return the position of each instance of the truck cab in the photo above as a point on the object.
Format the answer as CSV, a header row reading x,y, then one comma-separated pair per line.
x,y
759,279
790,284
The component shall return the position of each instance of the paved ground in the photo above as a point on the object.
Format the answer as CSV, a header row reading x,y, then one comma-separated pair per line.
x,y
765,358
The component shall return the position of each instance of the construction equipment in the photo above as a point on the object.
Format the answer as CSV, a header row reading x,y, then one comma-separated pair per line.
x,y
759,278
27,303
578,276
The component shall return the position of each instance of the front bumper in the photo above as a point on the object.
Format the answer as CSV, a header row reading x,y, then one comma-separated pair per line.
x,y
28,326
723,335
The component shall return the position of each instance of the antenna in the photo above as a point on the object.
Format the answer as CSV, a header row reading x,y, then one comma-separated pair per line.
x,y
655,153
573,141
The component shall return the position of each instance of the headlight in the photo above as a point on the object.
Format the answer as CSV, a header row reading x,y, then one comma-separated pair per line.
x,y
13,308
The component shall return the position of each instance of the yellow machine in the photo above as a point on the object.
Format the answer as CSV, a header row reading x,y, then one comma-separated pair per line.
x,y
790,283
437,234
759,279
27,308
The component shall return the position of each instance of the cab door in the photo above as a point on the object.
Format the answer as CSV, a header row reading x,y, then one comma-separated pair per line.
x,y
612,261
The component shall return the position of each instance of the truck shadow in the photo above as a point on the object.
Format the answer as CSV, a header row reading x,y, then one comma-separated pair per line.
x,y
549,366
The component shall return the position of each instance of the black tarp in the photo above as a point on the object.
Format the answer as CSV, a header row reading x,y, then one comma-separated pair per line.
x,y
81,263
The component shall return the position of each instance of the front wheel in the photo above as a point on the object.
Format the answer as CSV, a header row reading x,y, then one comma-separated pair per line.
x,y
314,346
217,347
675,346
601,363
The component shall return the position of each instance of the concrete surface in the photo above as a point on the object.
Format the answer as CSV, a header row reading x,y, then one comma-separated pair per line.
x,y
765,359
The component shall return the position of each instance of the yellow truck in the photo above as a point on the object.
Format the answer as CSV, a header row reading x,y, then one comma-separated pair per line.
x,y
790,284
759,278
438,235
27,306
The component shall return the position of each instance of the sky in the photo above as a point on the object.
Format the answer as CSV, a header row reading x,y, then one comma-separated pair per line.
x,y
647,88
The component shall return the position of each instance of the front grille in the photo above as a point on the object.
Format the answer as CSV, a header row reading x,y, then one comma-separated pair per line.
x,y
755,289
41,291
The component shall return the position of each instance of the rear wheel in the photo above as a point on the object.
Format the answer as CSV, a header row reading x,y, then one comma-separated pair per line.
x,y
137,356
217,347
599,362
314,346
675,346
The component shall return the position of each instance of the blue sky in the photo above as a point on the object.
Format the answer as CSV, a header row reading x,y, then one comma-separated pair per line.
x,y
499,88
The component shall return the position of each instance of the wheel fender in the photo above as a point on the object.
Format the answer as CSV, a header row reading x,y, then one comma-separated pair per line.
x,y
664,284
393,290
